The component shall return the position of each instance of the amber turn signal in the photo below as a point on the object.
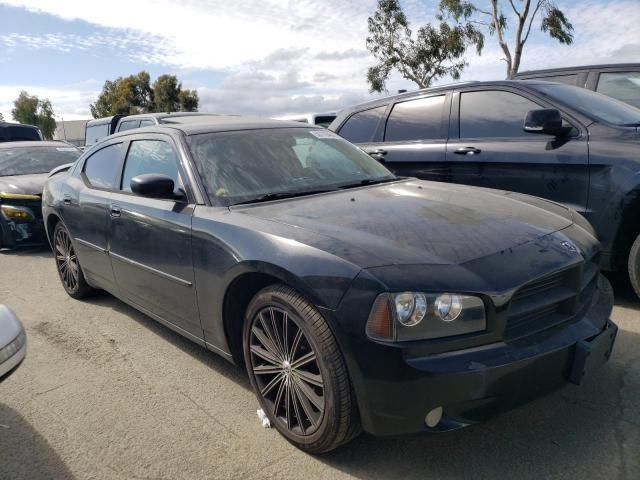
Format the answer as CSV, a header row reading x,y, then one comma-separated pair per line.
x,y
380,323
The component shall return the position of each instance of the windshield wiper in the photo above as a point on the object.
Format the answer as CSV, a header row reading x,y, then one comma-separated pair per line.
x,y
367,181
280,195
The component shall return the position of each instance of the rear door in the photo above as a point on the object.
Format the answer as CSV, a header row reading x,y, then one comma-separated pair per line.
x,y
85,212
151,237
415,137
489,148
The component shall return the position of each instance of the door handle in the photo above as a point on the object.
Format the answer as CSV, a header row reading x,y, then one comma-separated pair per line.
x,y
115,211
378,154
66,198
467,151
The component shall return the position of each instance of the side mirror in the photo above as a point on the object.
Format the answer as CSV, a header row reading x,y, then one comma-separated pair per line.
x,y
546,121
154,185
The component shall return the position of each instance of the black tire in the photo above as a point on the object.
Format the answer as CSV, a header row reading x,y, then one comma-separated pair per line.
x,y
68,265
634,265
311,402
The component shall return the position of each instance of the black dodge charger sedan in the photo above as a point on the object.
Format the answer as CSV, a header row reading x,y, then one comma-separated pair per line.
x,y
355,299
24,168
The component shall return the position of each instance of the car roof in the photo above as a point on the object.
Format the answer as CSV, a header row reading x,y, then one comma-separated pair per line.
x,y
36,143
220,123
166,115
10,124
580,67
436,89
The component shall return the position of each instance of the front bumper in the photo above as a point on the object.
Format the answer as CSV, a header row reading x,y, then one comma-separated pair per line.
x,y
396,390
15,233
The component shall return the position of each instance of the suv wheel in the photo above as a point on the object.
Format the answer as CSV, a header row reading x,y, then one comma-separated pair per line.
x,y
68,265
634,265
297,371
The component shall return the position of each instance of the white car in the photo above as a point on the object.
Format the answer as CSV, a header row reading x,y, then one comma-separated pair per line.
x,y
320,119
13,342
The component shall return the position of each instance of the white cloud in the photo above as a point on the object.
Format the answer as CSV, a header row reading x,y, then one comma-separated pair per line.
x,y
71,102
285,56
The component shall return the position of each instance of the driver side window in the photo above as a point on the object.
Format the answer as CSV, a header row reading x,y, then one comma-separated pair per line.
x,y
150,156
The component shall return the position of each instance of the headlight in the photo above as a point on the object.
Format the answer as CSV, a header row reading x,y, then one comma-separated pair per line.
x,y
418,316
16,213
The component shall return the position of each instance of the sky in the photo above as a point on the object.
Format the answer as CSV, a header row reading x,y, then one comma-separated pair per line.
x,y
254,57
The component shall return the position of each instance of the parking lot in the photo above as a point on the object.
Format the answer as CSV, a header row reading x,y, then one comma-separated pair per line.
x,y
108,393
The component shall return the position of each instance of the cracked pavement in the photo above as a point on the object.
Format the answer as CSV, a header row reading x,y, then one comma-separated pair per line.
x,y
107,393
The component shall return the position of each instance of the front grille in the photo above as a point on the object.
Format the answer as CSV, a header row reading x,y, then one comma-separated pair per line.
x,y
551,300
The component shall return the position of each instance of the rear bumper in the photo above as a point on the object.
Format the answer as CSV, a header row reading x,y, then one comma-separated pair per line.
x,y
395,392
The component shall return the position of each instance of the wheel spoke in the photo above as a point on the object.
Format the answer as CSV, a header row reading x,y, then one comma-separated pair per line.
x,y
267,369
275,381
287,403
295,402
296,342
311,395
310,378
275,349
267,343
306,405
265,355
276,334
278,400
306,358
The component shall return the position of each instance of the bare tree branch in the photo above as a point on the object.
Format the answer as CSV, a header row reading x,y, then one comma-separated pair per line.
x,y
533,16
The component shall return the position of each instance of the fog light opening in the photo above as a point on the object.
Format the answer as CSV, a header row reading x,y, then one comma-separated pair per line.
x,y
433,417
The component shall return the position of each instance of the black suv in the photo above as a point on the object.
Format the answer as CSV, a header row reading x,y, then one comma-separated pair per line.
x,y
19,132
620,81
556,141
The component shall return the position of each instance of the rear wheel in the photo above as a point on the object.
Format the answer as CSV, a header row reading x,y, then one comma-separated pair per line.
x,y
68,265
298,372
634,265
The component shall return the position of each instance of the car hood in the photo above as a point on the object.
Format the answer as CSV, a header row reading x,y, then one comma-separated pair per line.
x,y
413,222
23,184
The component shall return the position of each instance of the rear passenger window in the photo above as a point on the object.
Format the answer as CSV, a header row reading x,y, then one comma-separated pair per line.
x,y
623,86
100,168
150,156
361,127
128,125
146,123
415,120
493,114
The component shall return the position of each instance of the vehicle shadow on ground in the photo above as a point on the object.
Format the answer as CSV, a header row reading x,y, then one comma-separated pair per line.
x,y
592,431
212,360
42,251
24,453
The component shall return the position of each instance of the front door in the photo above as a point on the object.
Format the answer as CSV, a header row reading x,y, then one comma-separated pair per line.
x,y
490,149
151,238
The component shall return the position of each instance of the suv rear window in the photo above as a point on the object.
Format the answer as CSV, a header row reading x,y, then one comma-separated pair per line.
x,y
419,119
14,133
361,126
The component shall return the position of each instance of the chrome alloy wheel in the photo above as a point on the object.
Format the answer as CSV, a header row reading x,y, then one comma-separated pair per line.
x,y
286,371
66,260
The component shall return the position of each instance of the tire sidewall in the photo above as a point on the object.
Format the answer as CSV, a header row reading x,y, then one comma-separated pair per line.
x,y
271,298
634,266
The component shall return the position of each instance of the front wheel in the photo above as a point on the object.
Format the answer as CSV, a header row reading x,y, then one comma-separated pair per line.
x,y
68,265
298,372
634,265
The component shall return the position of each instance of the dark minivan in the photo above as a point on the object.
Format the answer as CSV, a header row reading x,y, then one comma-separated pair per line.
x,y
620,81
560,142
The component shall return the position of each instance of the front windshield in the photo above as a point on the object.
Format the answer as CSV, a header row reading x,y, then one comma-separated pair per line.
x,y
591,104
248,165
31,160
